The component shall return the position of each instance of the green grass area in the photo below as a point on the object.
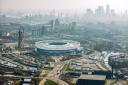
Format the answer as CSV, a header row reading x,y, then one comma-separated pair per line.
x,y
65,67
49,82
72,84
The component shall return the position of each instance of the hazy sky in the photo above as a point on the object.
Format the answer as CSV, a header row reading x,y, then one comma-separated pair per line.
x,y
62,4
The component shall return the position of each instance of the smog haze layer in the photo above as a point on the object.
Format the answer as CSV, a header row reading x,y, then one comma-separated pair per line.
x,y
119,5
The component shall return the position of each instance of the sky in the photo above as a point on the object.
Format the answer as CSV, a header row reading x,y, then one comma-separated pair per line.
x,y
118,5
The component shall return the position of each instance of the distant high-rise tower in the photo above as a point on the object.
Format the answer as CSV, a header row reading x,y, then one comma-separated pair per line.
x,y
52,25
108,10
57,22
100,11
89,12
20,38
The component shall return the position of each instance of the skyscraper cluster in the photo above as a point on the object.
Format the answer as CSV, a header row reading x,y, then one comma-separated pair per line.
x,y
101,11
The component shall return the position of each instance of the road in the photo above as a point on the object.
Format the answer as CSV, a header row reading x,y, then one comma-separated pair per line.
x,y
54,74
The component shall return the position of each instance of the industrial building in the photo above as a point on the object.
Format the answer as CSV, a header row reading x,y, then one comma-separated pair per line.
x,y
58,47
119,64
118,61
91,80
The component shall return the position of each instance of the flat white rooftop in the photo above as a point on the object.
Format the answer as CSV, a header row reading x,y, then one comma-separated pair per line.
x,y
93,77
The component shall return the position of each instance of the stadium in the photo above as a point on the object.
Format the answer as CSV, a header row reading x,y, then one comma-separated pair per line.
x,y
58,47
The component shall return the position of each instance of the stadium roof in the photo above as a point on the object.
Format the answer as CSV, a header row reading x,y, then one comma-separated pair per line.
x,y
57,45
